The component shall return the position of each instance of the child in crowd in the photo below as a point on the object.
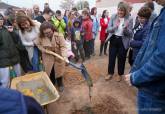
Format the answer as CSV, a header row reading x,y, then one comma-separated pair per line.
x,y
78,40
87,25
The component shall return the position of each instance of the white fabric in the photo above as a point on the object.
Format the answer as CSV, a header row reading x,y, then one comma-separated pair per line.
x,y
106,20
28,38
5,77
119,31
69,48
30,50
77,35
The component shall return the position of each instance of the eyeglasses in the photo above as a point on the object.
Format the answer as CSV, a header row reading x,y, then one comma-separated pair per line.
x,y
47,33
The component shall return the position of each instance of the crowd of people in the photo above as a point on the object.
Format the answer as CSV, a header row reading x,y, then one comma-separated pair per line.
x,y
27,39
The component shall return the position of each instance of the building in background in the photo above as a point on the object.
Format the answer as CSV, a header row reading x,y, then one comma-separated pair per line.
x,y
4,6
111,6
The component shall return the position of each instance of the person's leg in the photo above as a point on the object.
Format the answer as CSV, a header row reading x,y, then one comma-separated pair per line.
x,y
82,54
105,48
112,57
92,47
52,76
122,53
17,69
101,47
87,49
5,77
75,51
60,83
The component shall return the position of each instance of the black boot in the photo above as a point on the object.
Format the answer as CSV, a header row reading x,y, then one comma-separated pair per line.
x,y
101,49
60,84
105,49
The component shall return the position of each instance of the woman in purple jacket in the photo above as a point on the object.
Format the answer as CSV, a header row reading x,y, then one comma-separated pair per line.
x,y
141,31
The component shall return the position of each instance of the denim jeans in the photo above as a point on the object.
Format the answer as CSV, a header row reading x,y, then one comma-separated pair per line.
x,y
150,104
87,48
5,75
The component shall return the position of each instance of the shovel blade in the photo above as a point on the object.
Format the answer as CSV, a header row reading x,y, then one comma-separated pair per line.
x,y
86,76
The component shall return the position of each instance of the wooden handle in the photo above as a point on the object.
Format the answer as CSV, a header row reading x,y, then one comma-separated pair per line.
x,y
57,55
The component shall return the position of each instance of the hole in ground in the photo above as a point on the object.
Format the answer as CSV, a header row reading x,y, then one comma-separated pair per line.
x,y
108,105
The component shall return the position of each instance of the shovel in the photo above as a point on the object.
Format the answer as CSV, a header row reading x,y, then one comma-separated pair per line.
x,y
81,67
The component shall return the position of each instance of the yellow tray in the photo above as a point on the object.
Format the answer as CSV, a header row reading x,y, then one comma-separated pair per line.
x,y
34,76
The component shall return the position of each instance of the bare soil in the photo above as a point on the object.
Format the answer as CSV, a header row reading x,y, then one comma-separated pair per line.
x,y
108,97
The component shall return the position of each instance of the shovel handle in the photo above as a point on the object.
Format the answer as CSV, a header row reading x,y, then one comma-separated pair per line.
x,y
57,55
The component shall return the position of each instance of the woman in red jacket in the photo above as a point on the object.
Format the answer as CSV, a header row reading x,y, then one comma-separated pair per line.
x,y
103,34
87,25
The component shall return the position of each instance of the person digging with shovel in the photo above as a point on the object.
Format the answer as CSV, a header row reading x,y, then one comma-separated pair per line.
x,y
53,41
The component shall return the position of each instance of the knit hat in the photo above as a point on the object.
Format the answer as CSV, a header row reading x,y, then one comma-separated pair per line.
x,y
77,21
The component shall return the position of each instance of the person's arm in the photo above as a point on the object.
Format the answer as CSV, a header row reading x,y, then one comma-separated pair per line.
x,y
154,69
17,40
62,45
136,43
139,43
56,22
111,27
98,24
128,30
63,24
39,45
102,23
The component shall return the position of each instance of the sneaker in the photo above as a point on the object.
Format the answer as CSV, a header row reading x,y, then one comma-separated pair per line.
x,y
108,77
118,78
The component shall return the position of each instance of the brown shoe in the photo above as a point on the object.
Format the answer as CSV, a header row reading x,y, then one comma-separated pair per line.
x,y
108,77
118,78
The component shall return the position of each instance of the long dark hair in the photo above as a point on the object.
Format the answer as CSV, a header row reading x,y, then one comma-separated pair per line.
x,y
66,12
103,14
92,10
23,18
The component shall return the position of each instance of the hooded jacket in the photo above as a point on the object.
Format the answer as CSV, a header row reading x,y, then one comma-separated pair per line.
x,y
9,54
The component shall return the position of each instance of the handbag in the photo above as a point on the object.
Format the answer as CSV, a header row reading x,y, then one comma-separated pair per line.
x,y
130,55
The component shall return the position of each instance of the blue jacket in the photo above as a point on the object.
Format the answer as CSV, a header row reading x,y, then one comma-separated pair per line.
x,y
148,71
139,38
96,25
12,102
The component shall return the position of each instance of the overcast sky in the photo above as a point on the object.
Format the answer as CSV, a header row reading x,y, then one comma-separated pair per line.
x,y
54,4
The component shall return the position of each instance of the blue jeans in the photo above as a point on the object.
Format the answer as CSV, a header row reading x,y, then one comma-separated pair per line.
x,y
150,104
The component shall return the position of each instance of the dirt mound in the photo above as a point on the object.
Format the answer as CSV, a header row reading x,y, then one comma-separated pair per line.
x,y
109,105
74,76
108,97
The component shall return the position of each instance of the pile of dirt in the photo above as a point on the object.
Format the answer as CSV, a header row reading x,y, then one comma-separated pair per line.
x,y
74,76
109,105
